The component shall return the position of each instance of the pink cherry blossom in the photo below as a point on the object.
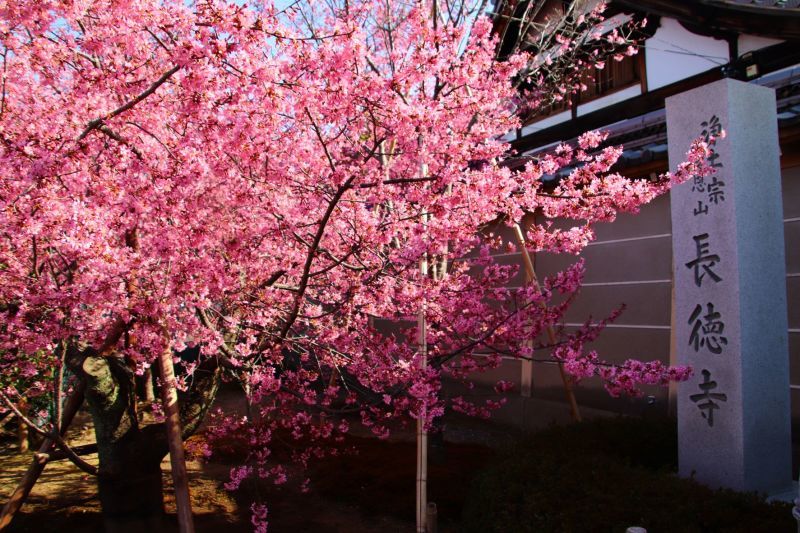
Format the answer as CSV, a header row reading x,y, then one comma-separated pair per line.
x,y
220,176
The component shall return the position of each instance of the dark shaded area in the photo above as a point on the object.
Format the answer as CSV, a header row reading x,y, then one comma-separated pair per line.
x,y
602,475
608,475
68,522
380,478
369,487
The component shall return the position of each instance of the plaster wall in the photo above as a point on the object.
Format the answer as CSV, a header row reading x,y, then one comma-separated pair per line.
x,y
748,43
674,53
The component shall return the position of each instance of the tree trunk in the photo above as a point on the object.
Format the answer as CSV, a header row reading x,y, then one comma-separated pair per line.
x,y
130,455
132,497
129,480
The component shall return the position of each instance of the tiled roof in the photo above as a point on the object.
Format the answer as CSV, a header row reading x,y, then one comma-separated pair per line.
x,y
779,4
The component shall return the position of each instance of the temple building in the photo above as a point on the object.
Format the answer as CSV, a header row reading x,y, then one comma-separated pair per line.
x,y
687,44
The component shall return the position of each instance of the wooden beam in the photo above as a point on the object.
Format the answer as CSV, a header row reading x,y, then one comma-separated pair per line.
x,y
631,108
769,60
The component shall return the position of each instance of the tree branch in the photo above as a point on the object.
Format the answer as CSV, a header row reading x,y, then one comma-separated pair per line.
x,y
311,253
98,122
53,435
397,181
120,139
83,449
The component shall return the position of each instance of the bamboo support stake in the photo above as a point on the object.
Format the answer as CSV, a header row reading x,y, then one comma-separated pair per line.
x,y
40,460
551,336
432,519
422,434
169,397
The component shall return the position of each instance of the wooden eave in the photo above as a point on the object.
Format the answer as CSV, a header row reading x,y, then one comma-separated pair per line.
x,y
725,17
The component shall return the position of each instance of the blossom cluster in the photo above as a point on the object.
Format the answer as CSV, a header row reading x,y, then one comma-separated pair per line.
x,y
217,175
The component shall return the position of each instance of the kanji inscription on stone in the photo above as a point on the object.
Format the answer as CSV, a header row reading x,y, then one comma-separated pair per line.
x,y
706,400
704,261
707,329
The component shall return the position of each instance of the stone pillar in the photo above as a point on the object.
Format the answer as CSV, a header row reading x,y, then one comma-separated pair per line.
x,y
730,319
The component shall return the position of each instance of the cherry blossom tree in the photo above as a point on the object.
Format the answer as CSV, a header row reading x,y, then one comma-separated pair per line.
x,y
250,190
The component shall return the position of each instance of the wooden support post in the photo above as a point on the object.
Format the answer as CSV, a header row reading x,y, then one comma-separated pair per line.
x,y
551,336
149,391
169,398
40,460
526,379
22,428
